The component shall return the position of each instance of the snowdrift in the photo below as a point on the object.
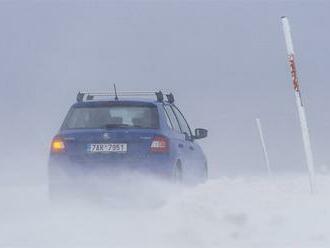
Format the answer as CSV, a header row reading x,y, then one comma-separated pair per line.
x,y
226,212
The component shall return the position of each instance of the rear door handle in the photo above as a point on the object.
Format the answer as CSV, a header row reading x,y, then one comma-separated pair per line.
x,y
181,145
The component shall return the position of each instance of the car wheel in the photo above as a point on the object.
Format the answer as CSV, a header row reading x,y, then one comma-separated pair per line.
x,y
205,173
177,173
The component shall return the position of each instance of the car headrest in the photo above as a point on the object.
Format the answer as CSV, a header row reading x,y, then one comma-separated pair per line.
x,y
142,122
116,120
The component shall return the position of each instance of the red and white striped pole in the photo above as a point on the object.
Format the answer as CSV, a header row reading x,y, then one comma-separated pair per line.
x,y
300,105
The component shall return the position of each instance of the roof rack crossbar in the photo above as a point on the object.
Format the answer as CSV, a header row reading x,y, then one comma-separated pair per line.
x,y
90,95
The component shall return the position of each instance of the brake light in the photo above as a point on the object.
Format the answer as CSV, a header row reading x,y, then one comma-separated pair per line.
x,y
159,144
58,145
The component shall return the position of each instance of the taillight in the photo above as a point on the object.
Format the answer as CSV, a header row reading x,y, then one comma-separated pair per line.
x,y
57,145
159,144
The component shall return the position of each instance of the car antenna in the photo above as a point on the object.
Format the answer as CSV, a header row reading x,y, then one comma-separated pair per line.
x,y
115,88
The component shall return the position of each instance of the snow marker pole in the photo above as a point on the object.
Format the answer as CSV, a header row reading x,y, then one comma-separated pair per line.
x,y
300,105
261,134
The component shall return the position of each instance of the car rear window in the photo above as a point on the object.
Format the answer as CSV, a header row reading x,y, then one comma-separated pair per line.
x,y
112,117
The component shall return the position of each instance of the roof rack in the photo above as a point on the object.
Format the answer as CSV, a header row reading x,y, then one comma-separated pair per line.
x,y
89,96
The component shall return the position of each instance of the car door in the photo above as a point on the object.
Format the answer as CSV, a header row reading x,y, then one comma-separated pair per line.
x,y
176,133
191,148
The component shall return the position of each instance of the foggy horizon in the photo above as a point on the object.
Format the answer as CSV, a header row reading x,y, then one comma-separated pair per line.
x,y
226,63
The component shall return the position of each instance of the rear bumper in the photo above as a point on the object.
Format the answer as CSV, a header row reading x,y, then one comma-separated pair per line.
x,y
160,165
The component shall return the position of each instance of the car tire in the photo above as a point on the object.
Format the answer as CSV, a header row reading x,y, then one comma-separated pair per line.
x,y
177,173
205,173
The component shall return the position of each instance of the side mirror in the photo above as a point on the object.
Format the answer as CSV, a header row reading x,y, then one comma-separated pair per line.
x,y
200,133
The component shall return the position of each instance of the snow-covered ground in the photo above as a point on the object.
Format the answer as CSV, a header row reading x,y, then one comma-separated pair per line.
x,y
225,212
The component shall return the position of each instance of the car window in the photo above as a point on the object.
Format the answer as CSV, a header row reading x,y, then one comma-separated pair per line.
x,y
168,121
171,116
182,121
112,117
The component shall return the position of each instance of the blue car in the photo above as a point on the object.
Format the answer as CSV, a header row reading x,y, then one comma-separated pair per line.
x,y
107,133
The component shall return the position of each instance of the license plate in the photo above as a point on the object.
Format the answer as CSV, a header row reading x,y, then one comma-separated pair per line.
x,y
107,148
